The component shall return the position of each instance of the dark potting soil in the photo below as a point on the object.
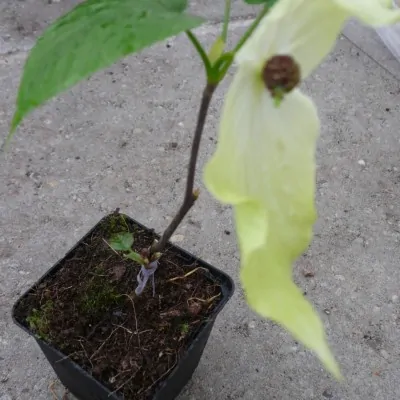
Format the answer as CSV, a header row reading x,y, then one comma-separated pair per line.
x,y
88,310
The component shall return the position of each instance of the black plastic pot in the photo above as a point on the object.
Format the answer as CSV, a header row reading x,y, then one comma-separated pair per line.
x,y
85,387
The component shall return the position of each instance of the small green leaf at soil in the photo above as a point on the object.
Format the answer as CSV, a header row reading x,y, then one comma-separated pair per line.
x,y
135,257
122,241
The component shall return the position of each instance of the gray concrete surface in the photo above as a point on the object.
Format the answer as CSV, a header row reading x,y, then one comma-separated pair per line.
x,y
105,144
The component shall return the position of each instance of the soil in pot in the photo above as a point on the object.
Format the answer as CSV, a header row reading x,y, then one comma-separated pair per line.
x,y
88,310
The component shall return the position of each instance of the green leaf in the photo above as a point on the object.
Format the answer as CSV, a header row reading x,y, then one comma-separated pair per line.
x,y
135,257
175,5
268,3
93,36
122,241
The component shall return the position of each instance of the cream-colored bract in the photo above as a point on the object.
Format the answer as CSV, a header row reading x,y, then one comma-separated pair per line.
x,y
371,12
308,29
264,164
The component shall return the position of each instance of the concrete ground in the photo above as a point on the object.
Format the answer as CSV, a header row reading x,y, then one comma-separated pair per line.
x,y
107,143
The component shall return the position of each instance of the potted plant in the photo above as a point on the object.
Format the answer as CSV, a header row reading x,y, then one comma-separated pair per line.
x,y
125,314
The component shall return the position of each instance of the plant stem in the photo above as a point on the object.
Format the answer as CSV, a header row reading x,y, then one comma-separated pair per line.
x,y
251,29
213,78
190,196
226,60
203,55
227,17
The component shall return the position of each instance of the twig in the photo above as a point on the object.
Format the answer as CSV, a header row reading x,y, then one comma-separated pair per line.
x,y
136,323
165,373
127,381
86,354
125,329
108,244
93,331
112,379
66,357
147,330
52,391
170,262
105,341
186,275
210,300
67,288
190,196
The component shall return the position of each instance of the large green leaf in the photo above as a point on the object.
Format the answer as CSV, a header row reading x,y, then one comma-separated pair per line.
x,y
175,5
93,36
268,3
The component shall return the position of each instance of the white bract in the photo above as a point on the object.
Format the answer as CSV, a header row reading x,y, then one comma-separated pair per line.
x,y
264,164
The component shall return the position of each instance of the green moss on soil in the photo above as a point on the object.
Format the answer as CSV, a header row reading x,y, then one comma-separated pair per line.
x,y
185,328
39,320
116,224
100,294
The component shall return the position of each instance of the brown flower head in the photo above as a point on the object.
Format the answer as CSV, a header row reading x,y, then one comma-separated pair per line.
x,y
281,74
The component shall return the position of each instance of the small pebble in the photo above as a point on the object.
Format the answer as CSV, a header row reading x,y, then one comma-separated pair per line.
x,y
361,162
177,238
327,394
384,354
359,240
395,298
